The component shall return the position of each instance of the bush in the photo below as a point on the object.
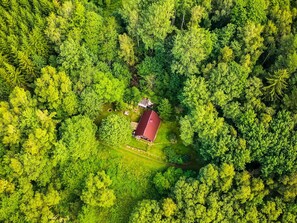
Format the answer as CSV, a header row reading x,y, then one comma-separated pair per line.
x,y
172,137
165,109
115,130
172,156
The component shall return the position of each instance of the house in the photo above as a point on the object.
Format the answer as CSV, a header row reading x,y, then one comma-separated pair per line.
x,y
145,103
148,125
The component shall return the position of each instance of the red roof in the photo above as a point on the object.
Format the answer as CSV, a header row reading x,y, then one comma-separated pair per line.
x,y
148,125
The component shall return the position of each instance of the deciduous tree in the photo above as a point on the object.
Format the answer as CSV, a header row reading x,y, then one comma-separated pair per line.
x,y
97,192
115,130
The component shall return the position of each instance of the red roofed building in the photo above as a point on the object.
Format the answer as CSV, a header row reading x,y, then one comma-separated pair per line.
x,y
148,126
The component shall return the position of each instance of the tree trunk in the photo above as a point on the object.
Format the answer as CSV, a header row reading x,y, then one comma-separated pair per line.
x,y
183,20
173,20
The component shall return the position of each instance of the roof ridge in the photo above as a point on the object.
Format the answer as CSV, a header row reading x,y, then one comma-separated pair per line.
x,y
146,126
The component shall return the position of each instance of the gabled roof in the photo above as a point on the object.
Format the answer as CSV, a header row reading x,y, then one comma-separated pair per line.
x,y
145,102
148,125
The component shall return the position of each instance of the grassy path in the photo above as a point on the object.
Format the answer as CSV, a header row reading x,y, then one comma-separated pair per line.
x,y
143,154
148,156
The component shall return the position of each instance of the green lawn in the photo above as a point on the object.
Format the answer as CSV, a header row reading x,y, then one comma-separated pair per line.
x,y
132,181
107,109
162,141
132,173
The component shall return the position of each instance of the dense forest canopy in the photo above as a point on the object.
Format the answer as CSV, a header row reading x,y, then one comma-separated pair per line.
x,y
222,76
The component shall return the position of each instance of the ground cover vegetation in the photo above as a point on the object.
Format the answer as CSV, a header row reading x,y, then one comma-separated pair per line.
x,y
222,76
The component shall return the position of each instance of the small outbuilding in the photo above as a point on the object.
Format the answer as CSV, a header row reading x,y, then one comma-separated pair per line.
x,y
148,126
145,103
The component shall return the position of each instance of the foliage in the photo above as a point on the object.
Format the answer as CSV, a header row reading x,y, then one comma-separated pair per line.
x,y
172,156
155,22
97,192
277,84
115,130
217,194
127,51
104,89
165,109
54,92
191,48
225,71
77,139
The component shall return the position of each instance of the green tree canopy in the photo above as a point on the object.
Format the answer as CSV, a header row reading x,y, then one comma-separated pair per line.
x,y
191,48
77,139
97,192
54,92
115,130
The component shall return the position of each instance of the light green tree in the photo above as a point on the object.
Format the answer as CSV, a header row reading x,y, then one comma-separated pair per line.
x,y
97,191
277,84
115,130
190,49
156,22
54,92
127,49
78,140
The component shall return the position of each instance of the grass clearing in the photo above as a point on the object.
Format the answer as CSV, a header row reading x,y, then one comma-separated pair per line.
x,y
131,171
132,181
162,141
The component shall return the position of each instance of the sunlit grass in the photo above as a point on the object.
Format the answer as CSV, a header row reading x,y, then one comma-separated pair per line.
x,y
132,181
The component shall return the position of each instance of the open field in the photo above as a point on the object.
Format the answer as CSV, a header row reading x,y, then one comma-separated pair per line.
x,y
132,167
132,181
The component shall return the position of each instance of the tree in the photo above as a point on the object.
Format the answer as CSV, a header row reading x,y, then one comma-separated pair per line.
x,y
130,14
108,43
218,193
37,207
155,22
77,139
29,134
93,31
97,192
115,130
291,100
164,181
252,43
103,88
74,58
195,92
127,49
4,89
132,96
277,84
226,82
12,76
281,140
191,48
169,207
165,109
54,92
254,10
183,8
146,211
186,130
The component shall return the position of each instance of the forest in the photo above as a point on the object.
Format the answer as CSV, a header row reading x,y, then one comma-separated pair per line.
x,y
222,75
